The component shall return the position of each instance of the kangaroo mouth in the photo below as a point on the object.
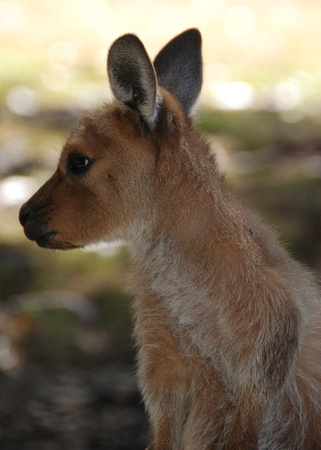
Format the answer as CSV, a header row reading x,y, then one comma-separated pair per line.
x,y
49,241
45,237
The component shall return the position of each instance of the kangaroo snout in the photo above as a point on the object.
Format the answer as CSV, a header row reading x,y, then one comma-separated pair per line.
x,y
35,220
37,216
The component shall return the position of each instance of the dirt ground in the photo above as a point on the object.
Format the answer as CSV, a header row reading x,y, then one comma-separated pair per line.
x,y
45,408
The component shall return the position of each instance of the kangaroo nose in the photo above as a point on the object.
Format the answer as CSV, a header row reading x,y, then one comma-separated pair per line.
x,y
24,214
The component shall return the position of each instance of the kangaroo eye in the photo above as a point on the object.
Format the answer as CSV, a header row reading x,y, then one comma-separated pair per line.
x,y
78,164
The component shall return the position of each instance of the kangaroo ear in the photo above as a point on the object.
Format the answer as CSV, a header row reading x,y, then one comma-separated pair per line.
x,y
179,67
132,77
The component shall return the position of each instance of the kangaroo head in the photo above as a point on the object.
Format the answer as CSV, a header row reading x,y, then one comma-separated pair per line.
x,y
105,182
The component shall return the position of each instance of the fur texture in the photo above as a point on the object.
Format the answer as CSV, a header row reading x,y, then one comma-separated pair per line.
x,y
227,324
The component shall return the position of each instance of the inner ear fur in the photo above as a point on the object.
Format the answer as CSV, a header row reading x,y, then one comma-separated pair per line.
x,y
132,77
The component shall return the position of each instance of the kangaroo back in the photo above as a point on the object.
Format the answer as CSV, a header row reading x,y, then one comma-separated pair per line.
x,y
227,324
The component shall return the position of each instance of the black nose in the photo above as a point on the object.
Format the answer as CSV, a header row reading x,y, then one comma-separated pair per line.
x,y
24,213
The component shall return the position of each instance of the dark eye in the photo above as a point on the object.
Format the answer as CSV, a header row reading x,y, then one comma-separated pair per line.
x,y
78,164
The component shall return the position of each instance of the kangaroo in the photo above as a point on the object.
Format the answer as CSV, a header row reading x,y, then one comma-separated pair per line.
x,y
227,324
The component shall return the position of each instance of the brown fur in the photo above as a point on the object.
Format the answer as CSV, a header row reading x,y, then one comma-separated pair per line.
x,y
228,326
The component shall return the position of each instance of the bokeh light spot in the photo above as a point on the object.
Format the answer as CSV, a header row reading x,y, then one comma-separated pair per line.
x,y
23,101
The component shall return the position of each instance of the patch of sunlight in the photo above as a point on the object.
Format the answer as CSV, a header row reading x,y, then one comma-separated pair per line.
x,y
15,190
232,96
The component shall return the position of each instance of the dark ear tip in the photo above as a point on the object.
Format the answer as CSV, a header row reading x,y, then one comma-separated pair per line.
x,y
192,35
126,41
195,33
126,38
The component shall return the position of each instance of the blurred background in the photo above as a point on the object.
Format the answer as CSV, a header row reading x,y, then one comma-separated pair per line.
x,y
67,365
